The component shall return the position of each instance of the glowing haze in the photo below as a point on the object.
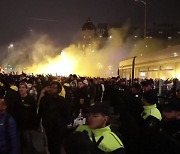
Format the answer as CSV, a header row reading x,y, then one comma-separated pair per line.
x,y
38,54
88,62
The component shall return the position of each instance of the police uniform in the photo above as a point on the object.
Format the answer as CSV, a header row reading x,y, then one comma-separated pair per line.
x,y
151,110
150,128
94,141
109,142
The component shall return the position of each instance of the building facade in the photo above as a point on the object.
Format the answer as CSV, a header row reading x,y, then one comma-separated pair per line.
x,y
91,34
163,64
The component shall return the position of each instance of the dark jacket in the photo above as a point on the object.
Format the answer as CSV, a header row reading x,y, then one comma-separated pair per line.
x,y
9,142
27,113
12,102
134,106
54,112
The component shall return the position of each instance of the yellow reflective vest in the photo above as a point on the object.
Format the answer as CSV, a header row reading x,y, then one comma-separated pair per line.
x,y
63,92
110,141
151,110
14,88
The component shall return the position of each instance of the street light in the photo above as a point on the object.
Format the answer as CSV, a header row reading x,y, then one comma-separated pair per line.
x,y
145,15
10,46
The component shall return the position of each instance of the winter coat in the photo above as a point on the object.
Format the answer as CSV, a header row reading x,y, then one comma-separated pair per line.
x,y
9,143
27,113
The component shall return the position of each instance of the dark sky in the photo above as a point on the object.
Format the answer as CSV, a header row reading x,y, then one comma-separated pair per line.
x,y
15,16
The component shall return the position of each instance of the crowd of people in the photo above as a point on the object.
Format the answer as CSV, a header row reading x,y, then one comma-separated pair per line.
x,y
73,115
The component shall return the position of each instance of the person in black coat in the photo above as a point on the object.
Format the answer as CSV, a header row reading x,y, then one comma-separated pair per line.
x,y
54,112
26,117
134,103
171,119
12,96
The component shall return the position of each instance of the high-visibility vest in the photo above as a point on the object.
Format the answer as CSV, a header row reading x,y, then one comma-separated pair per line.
x,y
110,141
63,92
14,88
151,110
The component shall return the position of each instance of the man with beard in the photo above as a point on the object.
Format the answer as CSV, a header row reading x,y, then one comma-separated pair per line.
x,y
54,113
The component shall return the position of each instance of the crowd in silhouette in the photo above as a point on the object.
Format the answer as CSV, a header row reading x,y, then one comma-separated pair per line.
x,y
147,115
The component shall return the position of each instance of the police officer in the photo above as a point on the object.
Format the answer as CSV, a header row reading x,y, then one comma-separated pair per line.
x,y
98,131
150,113
150,126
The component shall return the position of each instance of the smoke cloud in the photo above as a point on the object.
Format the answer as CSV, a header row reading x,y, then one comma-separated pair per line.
x,y
39,54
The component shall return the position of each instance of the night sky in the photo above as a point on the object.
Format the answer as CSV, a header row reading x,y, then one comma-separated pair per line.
x,y
66,17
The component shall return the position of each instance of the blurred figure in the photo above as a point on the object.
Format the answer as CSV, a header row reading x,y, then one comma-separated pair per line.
x,y
45,91
12,97
92,91
99,90
120,95
171,119
134,102
9,142
177,97
130,119
71,96
178,94
82,97
33,90
148,85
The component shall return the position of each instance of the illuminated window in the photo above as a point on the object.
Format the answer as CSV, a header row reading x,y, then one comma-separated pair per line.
x,y
142,74
169,38
175,54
